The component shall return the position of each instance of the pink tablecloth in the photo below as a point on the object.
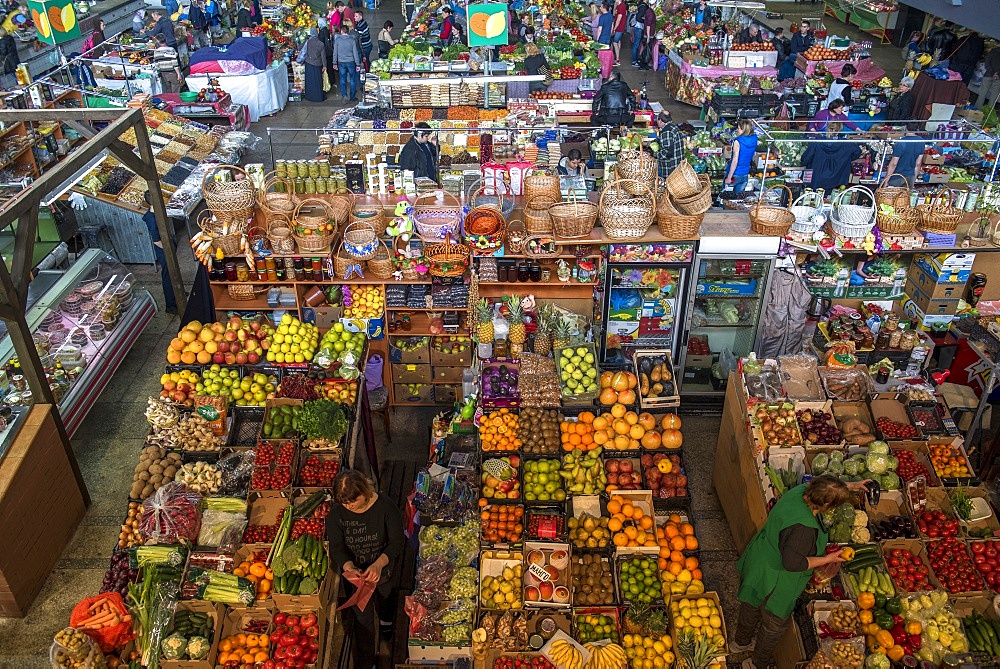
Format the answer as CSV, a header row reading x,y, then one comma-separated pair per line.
x,y
867,69
717,71
236,113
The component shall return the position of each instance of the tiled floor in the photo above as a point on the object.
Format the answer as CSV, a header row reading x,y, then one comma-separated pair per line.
x,y
112,435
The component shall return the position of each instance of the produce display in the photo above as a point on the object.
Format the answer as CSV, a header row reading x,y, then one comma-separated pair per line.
x,y
593,585
953,566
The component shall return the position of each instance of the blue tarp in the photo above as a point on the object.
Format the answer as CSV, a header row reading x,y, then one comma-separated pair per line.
x,y
250,49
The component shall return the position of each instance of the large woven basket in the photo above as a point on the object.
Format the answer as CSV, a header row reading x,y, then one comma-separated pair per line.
x,y
938,216
537,220
313,226
279,234
853,220
341,205
516,237
886,194
346,266
228,190
277,194
806,208
479,195
541,181
447,258
245,291
625,215
698,203
360,240
371,211
769,220
637,165
380,265
683,181
573,219
903,218
672,223
437,216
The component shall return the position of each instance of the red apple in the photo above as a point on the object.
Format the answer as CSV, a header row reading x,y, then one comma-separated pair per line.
x,y
241,358
253,358
218,358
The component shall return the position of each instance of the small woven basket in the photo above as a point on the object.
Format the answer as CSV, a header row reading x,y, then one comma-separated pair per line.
x,y
370,210
360,240
938,216
485,230
516,237
698,203
279,233
245,291
903,219
683,181
537,220
805,208
231,245
625,215
312,225
447,258
853,220
540,246
886,194
277,194
639,166
341,205
573,219
343,262
671,223
437,220
771,221
541,181
380,266
234,196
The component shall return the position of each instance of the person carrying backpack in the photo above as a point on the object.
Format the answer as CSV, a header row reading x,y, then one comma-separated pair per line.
x,y
642,34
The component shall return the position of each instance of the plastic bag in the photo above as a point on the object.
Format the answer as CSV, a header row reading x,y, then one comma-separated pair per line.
x,y
222,530
86,617
727,362
171,515
851,385
800,376
75,650
236,469
373,371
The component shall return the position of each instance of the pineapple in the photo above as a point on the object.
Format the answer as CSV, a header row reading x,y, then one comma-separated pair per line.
x,y
641,618
562,334
518,333
543,335
484,322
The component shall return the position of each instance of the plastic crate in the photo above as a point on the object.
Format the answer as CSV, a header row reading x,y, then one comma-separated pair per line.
x,y
246,426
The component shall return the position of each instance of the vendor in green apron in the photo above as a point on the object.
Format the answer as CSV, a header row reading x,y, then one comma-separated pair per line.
x,y
779,561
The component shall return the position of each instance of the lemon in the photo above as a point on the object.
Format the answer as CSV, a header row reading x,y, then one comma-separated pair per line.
x,y
659,647
704,611
686,612
715,621
668,658
702,602
680,622
647,642
695,621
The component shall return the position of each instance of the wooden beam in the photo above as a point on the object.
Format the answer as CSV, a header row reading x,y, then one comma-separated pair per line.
x,y
24,253
123,152
100,114
162,220
81,128
72,163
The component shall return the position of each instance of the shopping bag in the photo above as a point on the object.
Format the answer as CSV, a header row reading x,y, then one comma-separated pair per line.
x,y
326,82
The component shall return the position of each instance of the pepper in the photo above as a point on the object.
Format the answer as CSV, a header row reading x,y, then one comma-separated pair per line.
x,y
827,632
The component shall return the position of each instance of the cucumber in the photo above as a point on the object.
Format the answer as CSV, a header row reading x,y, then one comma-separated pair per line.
x,y
857,564
972,634
309,505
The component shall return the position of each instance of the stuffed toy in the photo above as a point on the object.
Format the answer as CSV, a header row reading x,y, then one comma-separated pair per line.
x,y
402,225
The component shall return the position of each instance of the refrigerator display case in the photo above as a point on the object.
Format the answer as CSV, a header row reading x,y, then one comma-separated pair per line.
x,y
83,321
644,298
725,312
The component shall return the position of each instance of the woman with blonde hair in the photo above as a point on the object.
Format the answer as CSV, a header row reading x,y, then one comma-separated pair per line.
x,y
365,531
535,63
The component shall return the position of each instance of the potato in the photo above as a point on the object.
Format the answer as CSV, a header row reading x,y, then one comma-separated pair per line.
x,y
136,490
144,476
147,491
169,471
155,469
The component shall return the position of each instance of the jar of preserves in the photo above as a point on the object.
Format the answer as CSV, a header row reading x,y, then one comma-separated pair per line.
x,y
895,337
908,340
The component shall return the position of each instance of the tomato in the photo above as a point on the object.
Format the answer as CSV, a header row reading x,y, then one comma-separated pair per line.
x,y
308,620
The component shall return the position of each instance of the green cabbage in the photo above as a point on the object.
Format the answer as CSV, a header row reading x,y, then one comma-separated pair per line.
x,y
844,514
173,647
851,467
878,463
836,467
893,463
840,534
879,447
198,647
820,463
837,456
890,481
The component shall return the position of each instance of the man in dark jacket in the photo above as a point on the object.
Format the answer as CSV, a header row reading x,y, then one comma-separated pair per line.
x,y
162,26
420,153
9,60
614,103
783,51
967,54
830,161
199,24
750,35
802,40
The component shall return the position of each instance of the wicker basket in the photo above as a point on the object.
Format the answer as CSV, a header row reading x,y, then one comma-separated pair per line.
x,y
447,258
771,221
540,246
683,181
341,205
938,216
516,237
485,229
537,220
209,224
886,194
637,165
279,233
698,203
360,240
313,215
672,223
380,266
902,220
541,180
477,196
231,245
403,265
437,220
277,194
231,199
245,291
623,214
853,220
573,219
805,208
345,266
370,210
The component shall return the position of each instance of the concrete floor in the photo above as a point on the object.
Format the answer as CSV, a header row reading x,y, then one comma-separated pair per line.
x,y
109,440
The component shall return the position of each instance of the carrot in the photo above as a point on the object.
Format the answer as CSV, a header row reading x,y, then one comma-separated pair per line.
x,y
100,617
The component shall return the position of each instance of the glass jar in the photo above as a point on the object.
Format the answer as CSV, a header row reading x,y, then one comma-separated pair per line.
x,y
895,336
523,272
321,186
882,341
324,168
300,186
261,266
303,168
230,271
280,168
314,168
310,186
242,272
908,340
891,322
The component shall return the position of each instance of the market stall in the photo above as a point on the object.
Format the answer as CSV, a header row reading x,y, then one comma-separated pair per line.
x,y
263,93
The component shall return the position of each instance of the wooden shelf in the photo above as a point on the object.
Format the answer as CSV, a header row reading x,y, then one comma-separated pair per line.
x,y
388,308
18,125
223,302
17,156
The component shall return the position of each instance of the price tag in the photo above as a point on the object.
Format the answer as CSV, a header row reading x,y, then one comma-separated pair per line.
x,y
539,572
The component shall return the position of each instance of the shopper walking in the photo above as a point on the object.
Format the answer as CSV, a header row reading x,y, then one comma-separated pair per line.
x,y
900,108
802,40
703,14
779,561
618,23
327,37
642,34
313,56
149,218
671,150
744,147
989,89
420,154
605,20
199,25
365,33
347,56
162,26
365,531
9,60
784,61
168,64
840,89
830,161
447,25
907,155
244,20
337,18
967,55
213,11
385,39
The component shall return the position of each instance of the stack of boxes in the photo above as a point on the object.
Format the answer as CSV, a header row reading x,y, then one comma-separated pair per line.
x,y
430,371
935,284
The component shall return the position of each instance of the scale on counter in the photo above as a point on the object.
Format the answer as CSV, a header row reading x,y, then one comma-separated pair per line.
x,y
195,110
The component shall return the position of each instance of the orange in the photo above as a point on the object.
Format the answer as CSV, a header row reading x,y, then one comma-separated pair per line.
x,y
677,543
691,543
637,513
614,524
674,518
258,569
687,529
226,645
620,540
696,574
252,641
662,564
646,523
631,532
627,509
241,639
674,568
575,439
246,658
614,506
677,557
586,417
670,530
261,656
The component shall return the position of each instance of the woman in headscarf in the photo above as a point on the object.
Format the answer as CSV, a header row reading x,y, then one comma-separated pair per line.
x,y
313,56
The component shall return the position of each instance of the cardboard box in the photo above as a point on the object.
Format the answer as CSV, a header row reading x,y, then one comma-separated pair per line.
x,y
818,407
535,573
844,410
374,328
447,394
419,354
888,405
626,331
929,285
327,316
236,620
937,159
276,402
265,507
449,374
321,623
926,322
412,373
890,503
972,115
921,454
457,359
214,611
492,563
932,306
420,394
714,597
314,602
916,547
946,267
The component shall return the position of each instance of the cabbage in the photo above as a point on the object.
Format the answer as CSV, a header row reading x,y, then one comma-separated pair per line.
x,y
836,467
890,481
878,463
860,519
877,661
198,647
820,463
893,463
879,447
851,467
173,647
837,456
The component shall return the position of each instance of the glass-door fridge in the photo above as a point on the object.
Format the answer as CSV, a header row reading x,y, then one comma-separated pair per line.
x,y
731,276
645,295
